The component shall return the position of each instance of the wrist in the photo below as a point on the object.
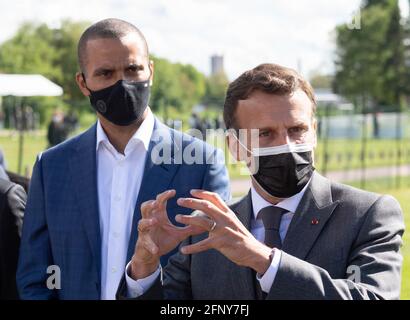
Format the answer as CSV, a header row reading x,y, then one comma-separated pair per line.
x,y
140,269
263,259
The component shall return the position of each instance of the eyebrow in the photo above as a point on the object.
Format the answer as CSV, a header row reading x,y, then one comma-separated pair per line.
x,y
139,66
296,124
299,124
100,70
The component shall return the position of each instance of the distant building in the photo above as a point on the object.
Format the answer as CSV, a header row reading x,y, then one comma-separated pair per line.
x,y
217,64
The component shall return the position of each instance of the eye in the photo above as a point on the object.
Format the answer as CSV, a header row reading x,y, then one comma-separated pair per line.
x,y
106,73
297,130
264,133
135,68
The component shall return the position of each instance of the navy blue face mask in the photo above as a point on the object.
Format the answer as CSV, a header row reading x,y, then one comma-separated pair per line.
x,y
122,103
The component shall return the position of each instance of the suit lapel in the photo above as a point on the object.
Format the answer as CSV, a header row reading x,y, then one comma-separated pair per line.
x,y
156,177
310,217
84,172
243,279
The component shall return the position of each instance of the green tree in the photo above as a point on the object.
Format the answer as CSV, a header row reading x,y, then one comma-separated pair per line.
x,y
30,51
176,87
369,61
65,43
323,81
36,48
216,86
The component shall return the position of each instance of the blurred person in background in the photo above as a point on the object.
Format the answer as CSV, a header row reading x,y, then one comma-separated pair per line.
x,y
12,205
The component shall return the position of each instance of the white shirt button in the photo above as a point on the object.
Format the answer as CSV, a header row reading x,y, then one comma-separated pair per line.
x,y
113,269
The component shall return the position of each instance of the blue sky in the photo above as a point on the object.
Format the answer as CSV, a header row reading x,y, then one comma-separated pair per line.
x,y
289,32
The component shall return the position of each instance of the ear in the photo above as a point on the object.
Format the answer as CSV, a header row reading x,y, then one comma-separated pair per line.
x,y
151,68
314,125
81,83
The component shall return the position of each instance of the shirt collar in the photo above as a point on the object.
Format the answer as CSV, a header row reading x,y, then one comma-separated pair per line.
x,y
143,134
289,204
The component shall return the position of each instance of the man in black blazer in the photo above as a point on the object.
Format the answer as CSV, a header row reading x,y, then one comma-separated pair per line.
x,y
12,204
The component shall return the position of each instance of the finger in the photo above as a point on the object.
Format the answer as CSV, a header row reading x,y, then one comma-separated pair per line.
x,y
146,209
198,247
144,225
212,197
203,205
149,245
181,233
203,223
162,198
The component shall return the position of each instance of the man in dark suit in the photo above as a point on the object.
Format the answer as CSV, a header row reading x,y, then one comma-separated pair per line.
x,y
12,203
296,235
84,202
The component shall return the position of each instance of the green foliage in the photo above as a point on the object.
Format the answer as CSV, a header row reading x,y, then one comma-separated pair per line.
x,y
370,60
176,87
65,43
38,49
216,86
52,52
322,81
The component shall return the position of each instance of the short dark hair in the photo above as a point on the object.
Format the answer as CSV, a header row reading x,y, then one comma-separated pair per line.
x,y
106,29
269,78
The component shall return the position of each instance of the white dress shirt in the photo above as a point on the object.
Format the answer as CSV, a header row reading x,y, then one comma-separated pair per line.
x,y
119,179
139,287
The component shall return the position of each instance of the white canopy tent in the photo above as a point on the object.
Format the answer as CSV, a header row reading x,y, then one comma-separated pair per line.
x,y
26,85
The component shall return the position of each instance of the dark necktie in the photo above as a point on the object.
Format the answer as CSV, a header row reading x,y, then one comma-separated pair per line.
x,y
271,217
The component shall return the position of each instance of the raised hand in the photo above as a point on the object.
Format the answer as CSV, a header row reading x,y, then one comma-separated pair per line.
x,y
226,233
156,236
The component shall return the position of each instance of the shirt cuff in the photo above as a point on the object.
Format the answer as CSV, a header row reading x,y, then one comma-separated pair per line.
x,y
266,281
136,288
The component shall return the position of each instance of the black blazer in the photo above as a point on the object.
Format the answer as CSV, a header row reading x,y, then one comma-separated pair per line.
x,y
12,204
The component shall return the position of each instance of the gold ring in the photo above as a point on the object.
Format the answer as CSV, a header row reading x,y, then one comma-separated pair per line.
x,y
213,226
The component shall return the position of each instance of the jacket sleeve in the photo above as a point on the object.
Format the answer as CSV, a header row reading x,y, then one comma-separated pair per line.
x,y
17,199
35,251
173,284
374,269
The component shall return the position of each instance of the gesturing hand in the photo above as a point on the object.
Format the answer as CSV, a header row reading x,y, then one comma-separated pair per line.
x,y
226,233
156,235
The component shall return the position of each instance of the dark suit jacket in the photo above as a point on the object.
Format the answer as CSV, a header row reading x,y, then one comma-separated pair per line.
x,y
359,234
12,204
61,225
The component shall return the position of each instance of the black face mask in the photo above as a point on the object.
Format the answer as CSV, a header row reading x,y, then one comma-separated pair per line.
x,y
284,175
122,103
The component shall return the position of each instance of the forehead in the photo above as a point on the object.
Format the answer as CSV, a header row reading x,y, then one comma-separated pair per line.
x,y
115,52
263,110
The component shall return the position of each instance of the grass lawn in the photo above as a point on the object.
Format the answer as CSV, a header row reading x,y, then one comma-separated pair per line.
x,y
33,145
